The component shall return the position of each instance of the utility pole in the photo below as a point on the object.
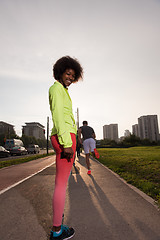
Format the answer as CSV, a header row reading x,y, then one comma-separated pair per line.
x,y
77,118
47,132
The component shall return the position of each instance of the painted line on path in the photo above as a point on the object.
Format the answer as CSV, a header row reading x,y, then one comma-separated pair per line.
x,y
17,183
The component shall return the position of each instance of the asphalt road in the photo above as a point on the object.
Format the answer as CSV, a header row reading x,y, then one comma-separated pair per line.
x,y
100,206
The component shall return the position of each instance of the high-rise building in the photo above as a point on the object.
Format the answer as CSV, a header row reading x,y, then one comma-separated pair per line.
x,y
34,129
135,130
148,127
110,132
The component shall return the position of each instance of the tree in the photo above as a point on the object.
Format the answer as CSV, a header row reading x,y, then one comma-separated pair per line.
x,y
28,140
42,143
131,141
106,143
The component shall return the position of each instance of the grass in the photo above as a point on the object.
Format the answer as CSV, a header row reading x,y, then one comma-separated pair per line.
x,y
8,163
139,166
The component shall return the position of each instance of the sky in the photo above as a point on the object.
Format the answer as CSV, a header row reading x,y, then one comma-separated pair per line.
x,y
117,43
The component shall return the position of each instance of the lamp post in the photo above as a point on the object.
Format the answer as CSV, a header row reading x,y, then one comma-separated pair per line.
x,y
47,132
77,118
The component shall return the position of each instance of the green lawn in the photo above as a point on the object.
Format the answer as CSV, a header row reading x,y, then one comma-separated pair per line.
x,y
139,166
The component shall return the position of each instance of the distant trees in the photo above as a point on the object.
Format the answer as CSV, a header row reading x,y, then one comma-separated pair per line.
x,y
26,140
133,140
129,141
106,143
42,143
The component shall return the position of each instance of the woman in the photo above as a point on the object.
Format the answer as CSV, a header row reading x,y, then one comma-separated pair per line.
x,y
63,137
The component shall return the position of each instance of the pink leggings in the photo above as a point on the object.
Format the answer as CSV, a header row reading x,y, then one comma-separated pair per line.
x,y
63,169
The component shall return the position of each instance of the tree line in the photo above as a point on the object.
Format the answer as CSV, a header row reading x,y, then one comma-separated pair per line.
x,y
130,141
27,140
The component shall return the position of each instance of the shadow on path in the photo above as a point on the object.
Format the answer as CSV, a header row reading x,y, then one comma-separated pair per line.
x,y
93,215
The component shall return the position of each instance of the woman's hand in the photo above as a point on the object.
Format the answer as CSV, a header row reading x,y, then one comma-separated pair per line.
x,y
68,152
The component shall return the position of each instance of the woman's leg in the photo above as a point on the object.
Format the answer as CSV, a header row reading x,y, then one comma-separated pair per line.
x,y
63,169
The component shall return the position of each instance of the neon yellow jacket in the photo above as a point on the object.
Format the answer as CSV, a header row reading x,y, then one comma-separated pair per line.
x,y
62,116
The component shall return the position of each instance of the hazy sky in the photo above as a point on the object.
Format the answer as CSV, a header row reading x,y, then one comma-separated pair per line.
x,y
117,42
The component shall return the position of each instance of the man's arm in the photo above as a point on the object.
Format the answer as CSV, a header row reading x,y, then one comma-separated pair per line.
x,y
94,135
79,135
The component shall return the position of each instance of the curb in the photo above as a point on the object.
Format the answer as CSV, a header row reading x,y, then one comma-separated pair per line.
x,y
142,194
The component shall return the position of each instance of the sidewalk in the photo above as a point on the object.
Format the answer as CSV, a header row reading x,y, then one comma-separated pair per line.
x,y
99,207
102,206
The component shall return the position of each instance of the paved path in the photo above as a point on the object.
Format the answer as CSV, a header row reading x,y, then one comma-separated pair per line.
x,y
12,175
99,207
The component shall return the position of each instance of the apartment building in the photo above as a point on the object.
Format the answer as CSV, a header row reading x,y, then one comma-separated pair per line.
x,y
110,132
34,129
6,129
135,130
148,127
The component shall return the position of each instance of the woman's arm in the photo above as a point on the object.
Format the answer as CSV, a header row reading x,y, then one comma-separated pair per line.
x,y
57,109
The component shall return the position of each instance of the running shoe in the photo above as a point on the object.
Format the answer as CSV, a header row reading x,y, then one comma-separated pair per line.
x,y
89,172
67,233
96,153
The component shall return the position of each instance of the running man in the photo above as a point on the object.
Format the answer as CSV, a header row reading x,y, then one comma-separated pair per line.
x,y
89,143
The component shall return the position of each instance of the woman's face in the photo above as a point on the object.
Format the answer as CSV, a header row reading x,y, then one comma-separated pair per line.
x,y
67,77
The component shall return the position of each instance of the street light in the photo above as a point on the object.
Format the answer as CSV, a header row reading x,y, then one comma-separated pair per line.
x,y
47,132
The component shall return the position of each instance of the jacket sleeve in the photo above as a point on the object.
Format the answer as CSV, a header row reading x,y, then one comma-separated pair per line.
x,y
56,101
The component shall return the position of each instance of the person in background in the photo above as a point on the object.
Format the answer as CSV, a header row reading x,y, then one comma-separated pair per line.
x,y
78,145
66,71
89,143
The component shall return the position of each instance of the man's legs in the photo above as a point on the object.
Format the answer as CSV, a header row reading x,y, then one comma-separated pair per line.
x,y
86,145
87,161
93,148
